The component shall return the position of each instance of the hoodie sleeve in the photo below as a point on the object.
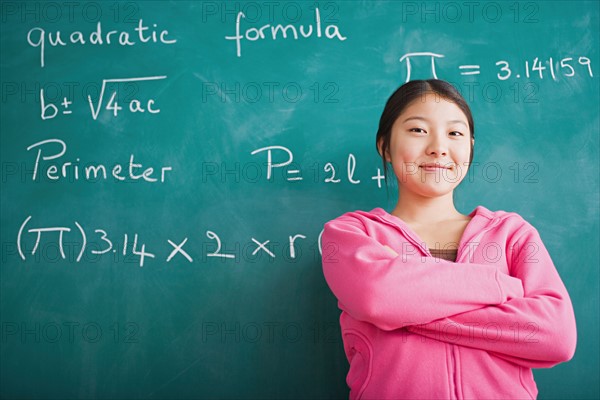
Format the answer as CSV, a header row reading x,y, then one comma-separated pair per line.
x,y
537,330
393,291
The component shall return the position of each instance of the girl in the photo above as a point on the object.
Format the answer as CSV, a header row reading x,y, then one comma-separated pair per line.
x,y
436,304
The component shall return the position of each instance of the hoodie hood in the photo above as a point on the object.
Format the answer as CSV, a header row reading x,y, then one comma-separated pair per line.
x,y
482,220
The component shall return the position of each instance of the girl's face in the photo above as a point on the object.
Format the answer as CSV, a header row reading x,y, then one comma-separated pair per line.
x,y
430,146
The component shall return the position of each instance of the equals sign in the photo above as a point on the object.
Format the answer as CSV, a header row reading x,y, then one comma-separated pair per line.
x,y
470,69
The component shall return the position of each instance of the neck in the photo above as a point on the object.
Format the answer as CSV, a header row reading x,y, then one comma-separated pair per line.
x,y
416,209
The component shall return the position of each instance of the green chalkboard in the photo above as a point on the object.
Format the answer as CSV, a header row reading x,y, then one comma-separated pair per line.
x,y
167,168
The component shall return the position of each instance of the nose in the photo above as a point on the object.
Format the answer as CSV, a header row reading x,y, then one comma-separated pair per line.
x,y
437,146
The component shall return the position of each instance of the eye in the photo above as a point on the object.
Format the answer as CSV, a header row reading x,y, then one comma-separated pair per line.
x,y
418,130
457,133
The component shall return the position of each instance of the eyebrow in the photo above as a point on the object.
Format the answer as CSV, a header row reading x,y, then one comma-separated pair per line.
x,y
454,121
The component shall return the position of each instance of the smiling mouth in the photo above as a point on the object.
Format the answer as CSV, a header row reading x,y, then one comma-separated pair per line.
x,y
432,168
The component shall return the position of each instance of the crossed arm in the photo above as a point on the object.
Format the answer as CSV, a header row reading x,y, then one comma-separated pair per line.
x,y
525,317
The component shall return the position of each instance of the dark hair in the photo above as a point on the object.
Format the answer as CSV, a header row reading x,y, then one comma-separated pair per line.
x,y
405,95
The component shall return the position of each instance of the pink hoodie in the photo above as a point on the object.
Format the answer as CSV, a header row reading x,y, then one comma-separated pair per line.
x,y
419,327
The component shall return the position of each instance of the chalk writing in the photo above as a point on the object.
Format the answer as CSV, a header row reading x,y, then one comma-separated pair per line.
x,y
103,243
89,172
566,66
38,37
254,34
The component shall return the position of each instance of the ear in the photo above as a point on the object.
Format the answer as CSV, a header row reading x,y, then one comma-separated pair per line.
x,y
379,149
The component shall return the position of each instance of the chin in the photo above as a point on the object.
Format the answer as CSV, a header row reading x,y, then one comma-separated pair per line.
x,y
435,191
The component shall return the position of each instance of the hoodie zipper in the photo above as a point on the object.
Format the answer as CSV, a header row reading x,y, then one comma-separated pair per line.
x,y
454,377
460,251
